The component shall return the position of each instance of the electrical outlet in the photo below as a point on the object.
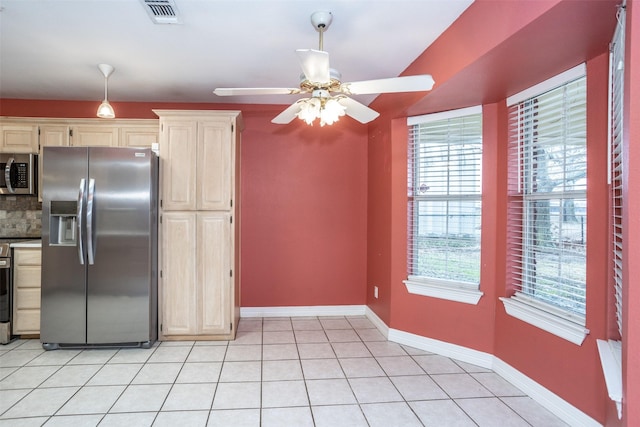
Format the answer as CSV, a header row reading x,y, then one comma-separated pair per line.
x,y
375,292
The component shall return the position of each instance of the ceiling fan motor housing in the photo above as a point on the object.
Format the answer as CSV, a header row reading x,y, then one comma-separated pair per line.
x,y
321,20
333,85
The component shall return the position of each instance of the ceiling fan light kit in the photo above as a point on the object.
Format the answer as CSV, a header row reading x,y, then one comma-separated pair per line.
x,y
105,110
321,81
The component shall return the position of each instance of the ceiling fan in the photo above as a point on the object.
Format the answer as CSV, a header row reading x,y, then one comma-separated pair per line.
x,y
329,100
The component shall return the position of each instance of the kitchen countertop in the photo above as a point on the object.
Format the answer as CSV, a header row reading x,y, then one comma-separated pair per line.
x,y
27,244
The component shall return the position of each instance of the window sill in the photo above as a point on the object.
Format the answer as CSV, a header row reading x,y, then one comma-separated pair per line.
x,y
542,316
452,291
611,361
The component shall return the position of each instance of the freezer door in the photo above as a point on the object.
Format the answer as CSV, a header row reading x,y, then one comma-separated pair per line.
x,y
63,296
121,245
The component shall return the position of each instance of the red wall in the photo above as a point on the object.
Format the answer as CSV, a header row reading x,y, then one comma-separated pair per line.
x,y
492,51
304,213
631,209
304,193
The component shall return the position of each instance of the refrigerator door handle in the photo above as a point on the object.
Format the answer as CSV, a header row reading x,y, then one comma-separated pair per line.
x,y
7,175
90,243
79,221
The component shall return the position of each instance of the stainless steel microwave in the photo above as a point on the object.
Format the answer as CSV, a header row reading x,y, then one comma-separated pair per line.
x,y
18,173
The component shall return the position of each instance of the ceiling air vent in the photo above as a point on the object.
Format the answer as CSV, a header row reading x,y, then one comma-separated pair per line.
x,y
162,11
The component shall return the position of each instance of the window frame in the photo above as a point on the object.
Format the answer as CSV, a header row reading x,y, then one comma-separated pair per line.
x,y
451,290
555,320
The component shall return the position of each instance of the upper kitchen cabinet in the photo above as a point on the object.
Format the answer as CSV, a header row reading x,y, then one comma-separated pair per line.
x,y
139,136
18,137
197,152
51,135
94,136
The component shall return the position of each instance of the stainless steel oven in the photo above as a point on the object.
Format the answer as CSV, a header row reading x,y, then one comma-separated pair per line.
x,y
18,173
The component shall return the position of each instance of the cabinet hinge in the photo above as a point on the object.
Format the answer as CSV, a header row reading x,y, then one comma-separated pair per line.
x,y
160,219
160,202
231,203
160,327
232,127
231,220
70,132
230,273
38,131
161,274
231,326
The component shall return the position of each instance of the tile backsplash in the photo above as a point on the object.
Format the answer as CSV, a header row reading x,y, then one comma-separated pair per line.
x,y
20,216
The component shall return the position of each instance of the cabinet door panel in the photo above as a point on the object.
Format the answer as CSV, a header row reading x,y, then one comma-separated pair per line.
x,y
214,268
27,298
19,138
26,290
138,136
178,167
26,322
179,286
94,136
214,165
50,136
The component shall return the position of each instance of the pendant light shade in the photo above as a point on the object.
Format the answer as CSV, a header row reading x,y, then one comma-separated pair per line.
x,y
105,110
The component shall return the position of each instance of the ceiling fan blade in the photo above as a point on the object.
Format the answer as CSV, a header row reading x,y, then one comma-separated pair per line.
x,y
288,114
237,91
314,64
417,83
358,111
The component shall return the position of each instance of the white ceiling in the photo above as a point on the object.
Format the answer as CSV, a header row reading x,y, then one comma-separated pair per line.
x,y
49,49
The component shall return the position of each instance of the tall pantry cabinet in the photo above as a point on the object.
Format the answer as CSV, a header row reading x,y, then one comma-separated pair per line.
x,y
199,286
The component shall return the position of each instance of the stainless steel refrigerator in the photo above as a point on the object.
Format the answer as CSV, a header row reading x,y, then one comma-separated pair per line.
x,y
99,247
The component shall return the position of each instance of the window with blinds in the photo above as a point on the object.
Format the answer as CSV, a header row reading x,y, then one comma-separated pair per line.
x,y
547,197
616,163
444,197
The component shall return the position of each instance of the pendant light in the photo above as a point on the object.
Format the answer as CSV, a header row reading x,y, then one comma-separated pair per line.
x,y
105,110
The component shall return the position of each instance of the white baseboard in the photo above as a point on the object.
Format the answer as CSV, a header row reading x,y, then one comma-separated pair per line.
x,y
442,348
382,327
303,311
552,402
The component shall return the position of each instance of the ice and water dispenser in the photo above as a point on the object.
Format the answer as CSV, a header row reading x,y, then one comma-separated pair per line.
x,y
63,222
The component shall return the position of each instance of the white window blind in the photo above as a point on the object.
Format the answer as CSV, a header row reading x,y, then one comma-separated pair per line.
x,y
444,197
547,198
616,165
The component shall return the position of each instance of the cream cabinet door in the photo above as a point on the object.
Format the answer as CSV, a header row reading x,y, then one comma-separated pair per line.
x,y
50,136
94,136
138,137
26,291
214,273
19,138
178,278
214,165
178,165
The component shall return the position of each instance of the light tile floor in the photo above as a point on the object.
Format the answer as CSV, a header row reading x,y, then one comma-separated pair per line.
x,y
324,372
